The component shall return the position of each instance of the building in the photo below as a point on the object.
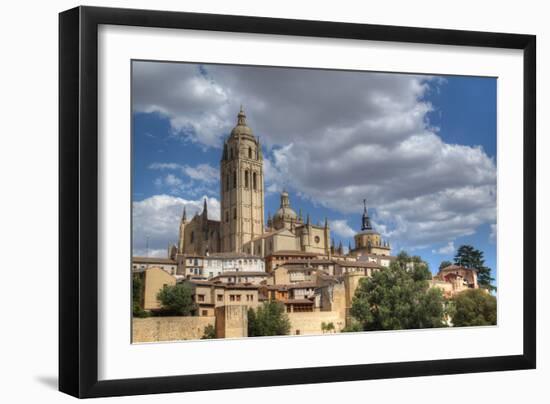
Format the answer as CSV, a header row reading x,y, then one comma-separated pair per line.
x,y
199,235
287,231
153,279
167,264
251,278
190,265
209,295
454,279
369,241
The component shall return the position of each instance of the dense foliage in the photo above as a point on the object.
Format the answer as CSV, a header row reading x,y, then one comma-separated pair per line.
x,y
398,298
474,307
268,319
209,332
177,300
137,296
468,257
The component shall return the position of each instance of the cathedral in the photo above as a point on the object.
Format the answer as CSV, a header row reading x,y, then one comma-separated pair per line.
x,y
241,227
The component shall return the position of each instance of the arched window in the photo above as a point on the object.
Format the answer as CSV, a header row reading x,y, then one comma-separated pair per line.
x,y
254,181
234,179
231,153
246,179
250,152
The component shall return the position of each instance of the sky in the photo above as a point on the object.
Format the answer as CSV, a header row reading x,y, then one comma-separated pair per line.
x,y
421,149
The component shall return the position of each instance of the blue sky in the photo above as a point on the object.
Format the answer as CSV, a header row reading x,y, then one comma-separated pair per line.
x,y
420,149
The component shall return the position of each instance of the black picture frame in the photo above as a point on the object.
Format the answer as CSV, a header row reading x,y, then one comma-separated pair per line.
x,y
78,196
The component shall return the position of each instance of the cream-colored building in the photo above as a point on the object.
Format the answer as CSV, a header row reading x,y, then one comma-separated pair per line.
x,y
153,280
209,295
252,278
167,264
287,231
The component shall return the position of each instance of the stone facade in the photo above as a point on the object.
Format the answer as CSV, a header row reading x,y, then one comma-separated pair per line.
x,y
242,188
287,231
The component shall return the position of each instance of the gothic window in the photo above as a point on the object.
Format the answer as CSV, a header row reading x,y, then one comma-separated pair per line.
x,y
254,181
234,179
250,152
192,237
246,179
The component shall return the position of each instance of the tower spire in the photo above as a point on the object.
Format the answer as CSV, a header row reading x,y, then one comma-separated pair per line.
x,y
205,209
366,220
184,215
241,117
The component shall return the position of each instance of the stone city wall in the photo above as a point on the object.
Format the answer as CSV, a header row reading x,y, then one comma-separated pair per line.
x,y
155,329
310,323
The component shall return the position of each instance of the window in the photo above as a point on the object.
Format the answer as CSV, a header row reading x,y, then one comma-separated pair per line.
x,y
317,239
231,153
231,298
254,181
200,298
192,237
250,152
246,179
234,179
234,213
238,298
219,298
226,216
227,182
204,312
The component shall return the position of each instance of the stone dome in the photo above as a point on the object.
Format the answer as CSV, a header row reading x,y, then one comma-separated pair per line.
x,y
242,129
285,212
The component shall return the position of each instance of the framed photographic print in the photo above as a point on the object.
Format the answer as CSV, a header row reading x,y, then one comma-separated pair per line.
x,y
250,201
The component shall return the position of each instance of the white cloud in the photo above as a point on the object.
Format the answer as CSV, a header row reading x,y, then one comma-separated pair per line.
x,y
341,228
158,253
157,218
493,234
447,249
336,137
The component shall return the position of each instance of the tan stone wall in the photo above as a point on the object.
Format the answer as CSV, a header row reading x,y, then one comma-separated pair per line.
x,y
155,329
231,322
310,323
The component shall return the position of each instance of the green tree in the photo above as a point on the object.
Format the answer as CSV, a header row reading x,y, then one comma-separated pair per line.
x,y
474,307
399,297
209,332
445,264
177,300
468,257
268,319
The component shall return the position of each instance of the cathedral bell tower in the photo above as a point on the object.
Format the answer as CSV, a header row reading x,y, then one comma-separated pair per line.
x,y
242,187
